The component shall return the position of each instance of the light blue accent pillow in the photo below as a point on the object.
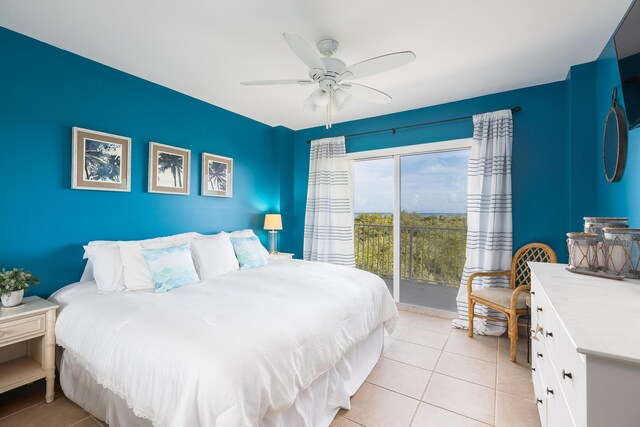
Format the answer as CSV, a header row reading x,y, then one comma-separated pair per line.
x,y
249,251
171,268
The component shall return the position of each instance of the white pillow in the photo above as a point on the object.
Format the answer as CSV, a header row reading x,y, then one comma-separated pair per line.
x,y
214,256
248,233
87,273
106,267
136,271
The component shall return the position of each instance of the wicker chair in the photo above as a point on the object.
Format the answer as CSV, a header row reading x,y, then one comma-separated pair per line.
x,y
512,300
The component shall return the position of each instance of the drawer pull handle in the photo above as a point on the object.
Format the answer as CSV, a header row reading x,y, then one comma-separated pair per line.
x,y
539,354
538,400
533,292
549,334
566,375
549,391
534,369
539,308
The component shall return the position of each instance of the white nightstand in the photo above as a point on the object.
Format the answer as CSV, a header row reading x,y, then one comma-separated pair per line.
x,y
280,255
27,345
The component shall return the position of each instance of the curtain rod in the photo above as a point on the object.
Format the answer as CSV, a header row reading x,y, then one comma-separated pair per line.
x,y
393,130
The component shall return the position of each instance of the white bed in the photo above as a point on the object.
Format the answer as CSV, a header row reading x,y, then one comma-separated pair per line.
x,y
282,345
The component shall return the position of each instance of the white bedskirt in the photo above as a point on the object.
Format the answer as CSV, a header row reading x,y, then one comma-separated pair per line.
x,y
315,406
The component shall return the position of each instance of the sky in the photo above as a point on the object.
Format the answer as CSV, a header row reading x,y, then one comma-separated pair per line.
x,y
430,183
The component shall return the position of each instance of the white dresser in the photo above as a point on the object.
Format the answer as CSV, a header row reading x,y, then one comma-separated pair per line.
x,y
585,348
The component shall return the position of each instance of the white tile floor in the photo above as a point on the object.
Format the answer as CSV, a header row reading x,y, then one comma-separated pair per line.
x,y
432,375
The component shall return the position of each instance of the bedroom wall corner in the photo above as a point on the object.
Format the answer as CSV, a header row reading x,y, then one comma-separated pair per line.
x,y
582,142
44,91
620,198
284,144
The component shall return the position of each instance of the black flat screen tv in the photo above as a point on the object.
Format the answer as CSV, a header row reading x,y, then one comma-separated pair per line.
x,y
627,41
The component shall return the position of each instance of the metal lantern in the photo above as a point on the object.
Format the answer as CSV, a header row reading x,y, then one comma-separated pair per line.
x,y
618,243
634,255
583,250
595,224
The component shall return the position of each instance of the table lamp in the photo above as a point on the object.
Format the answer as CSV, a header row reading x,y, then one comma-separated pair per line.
x,y
273,223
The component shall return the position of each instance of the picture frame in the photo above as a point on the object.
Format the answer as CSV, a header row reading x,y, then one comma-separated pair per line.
x,y
217,176
169,169
100,161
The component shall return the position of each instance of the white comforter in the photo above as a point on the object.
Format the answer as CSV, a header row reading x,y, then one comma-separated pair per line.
x,y
226,352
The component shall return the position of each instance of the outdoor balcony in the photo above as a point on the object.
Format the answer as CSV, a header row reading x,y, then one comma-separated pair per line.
x,y
431,260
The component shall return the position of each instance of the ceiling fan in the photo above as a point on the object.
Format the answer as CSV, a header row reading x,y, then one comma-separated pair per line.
x,y
333,77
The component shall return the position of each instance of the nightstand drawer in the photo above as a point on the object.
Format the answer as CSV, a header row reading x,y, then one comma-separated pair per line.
x,y
21,329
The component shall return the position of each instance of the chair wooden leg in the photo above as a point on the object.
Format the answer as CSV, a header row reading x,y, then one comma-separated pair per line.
x,y
471,307
513,337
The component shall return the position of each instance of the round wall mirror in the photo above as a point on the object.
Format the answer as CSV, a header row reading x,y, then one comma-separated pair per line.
x,y
614,141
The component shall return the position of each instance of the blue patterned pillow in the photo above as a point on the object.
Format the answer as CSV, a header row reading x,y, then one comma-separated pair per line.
x,y
171,268
249,251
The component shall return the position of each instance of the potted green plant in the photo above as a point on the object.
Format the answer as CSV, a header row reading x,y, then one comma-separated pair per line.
x,y
12,285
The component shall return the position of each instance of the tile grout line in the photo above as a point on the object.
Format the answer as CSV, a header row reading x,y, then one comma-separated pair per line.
x,y
79,421
21,410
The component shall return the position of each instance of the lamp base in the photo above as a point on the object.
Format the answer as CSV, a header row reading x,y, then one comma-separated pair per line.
x,y
273,242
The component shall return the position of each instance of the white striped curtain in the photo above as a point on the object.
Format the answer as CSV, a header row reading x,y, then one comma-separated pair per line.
x,y
328,222
489,228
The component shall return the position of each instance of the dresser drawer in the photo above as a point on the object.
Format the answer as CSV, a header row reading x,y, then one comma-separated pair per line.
x,y
21,329
571,370
558,413
539,392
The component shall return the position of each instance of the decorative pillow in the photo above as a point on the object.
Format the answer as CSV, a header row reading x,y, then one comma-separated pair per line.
x,y
88,273
249,233
106,267
171,267
136,272
249,252
214,256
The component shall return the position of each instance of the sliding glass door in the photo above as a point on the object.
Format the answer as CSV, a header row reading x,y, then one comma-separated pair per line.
x,y
410,219
373,220
433,227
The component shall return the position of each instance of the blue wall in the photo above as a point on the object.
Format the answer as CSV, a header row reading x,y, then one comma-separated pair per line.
x,y
583,153
44,91
620,198
557,168
541,155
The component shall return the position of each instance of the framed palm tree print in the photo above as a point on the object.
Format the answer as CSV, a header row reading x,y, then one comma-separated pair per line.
x,y
168,169
217,175
100,161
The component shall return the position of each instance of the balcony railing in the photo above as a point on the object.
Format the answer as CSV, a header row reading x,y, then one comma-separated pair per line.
x,y
430,255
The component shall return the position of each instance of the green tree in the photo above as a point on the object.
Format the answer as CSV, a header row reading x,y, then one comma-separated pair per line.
x,y
432,248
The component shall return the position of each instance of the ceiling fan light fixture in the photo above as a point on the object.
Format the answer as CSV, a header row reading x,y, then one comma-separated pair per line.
x,y
320,97
329,73
309,105
340,100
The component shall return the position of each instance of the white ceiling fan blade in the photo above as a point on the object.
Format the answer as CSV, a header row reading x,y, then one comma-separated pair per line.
x,y
378,65
277,82
366,93
302,49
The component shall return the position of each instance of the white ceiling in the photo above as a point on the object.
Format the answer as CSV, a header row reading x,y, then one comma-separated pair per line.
x,y
464,48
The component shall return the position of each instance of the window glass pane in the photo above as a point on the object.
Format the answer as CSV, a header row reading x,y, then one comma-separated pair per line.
x,y
433,227
373,222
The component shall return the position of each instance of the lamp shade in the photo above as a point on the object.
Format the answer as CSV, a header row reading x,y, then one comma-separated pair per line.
x,y
273,222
